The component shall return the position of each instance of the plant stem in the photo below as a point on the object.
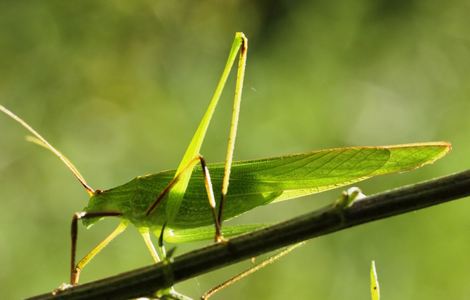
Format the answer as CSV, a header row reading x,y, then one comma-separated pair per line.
x,y
145,281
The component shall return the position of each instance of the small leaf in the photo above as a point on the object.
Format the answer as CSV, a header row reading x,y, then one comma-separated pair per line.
x,y
374,282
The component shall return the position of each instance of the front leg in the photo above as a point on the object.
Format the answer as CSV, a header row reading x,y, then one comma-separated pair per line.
x,y
75,269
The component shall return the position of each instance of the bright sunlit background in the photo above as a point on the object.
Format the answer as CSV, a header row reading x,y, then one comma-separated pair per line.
x,y
120,86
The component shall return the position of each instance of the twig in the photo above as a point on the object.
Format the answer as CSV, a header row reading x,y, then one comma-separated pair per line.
x,y
145,281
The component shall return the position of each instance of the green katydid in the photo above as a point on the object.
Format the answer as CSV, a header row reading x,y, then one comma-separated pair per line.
x,y
178,199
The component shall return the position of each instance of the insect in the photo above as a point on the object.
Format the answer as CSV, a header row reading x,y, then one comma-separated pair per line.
x,y
181,205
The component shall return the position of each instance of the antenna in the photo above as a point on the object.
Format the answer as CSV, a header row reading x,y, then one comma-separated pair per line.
x,y
39,140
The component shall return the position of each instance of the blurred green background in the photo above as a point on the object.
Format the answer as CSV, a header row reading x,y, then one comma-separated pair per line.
x,y
120,86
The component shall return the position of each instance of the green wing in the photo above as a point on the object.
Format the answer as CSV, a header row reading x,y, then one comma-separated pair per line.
x,y
259,182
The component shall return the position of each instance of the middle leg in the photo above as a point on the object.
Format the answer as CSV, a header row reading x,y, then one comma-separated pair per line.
x,y
209,190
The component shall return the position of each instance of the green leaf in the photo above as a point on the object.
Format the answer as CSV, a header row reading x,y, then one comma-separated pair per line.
x,y
374,282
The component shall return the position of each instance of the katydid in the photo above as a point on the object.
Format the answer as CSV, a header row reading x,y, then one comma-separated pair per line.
x,y
183,200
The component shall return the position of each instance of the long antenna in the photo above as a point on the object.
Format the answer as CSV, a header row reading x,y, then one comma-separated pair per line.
x,y
39,140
